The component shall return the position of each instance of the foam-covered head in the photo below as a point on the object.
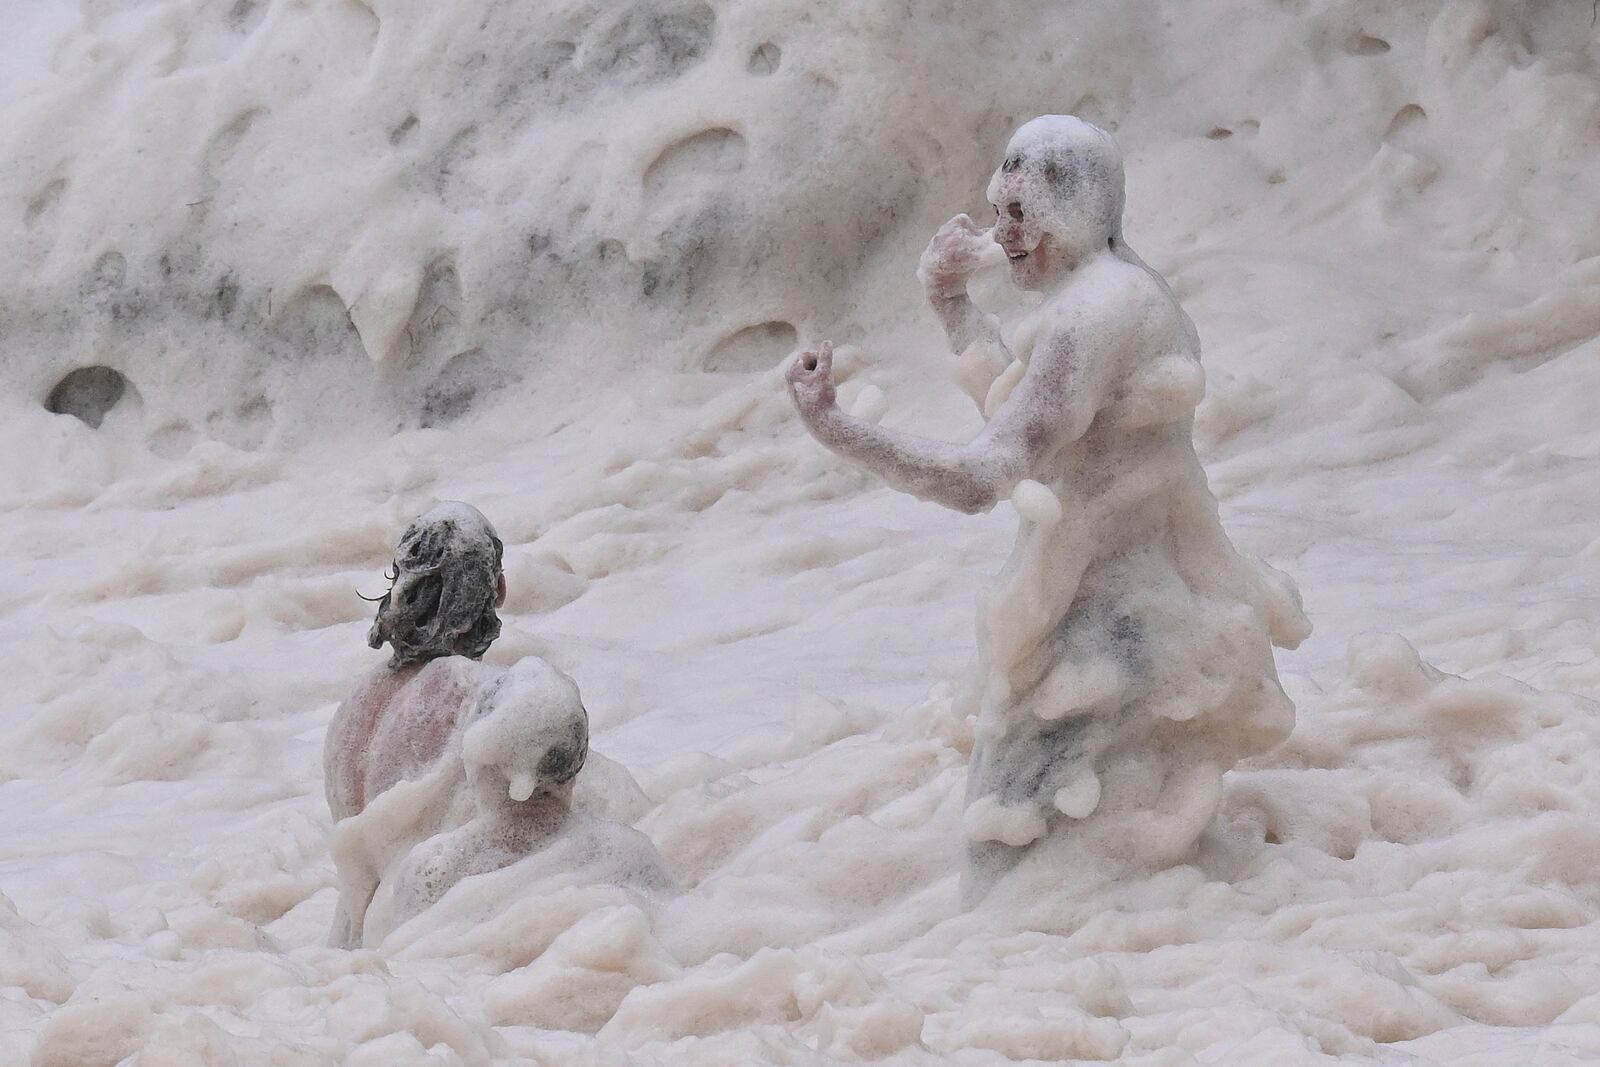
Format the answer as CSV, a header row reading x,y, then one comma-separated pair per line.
x,y
447,583
1058,196
532,734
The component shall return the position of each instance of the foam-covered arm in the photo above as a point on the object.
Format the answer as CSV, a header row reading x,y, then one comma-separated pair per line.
x,y
1042,414
349,917
951,257
968,477
965,324
981,354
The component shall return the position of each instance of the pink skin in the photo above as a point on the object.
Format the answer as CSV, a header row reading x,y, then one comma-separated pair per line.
x,y
1032,255
394,726
1035,257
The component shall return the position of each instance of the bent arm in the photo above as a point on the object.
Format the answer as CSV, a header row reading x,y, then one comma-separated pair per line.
x,y
952,255
427,874
964,322
357,879
1050,407
967,477
981,353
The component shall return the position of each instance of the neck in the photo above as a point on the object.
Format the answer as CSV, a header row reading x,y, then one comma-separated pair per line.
x,y
402,672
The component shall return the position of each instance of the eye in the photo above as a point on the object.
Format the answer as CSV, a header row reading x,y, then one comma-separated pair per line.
x,y
1014,209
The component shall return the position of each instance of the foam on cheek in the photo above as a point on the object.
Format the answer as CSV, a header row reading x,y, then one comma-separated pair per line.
x,y
1006,189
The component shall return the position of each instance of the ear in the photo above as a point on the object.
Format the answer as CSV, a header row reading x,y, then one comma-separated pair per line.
x,y
500,590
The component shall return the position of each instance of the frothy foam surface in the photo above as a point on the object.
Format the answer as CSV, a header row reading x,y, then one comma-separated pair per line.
x,y
351,261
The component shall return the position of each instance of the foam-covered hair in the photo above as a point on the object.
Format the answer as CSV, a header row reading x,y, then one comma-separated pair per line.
x,y
532,728
1067,175
447,576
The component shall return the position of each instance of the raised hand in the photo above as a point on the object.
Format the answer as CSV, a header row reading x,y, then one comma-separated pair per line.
x,y
954,253
811,382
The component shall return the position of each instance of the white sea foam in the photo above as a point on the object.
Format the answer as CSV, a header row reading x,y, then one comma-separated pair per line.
x,y
563,249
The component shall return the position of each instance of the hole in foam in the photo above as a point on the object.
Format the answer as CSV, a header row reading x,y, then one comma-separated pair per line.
x,y
87,394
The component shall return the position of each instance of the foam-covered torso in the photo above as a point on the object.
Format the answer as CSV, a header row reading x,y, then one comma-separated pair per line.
x,y
1125,650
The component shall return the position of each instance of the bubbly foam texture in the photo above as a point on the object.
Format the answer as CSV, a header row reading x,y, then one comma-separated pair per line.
x,y
1125,649
1380,217
1053,154
533,731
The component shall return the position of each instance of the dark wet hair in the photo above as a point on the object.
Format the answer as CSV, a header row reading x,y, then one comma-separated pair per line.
x,y
440,602
562,763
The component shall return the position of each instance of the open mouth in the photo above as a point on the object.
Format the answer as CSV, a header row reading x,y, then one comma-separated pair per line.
x,y
1014,256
